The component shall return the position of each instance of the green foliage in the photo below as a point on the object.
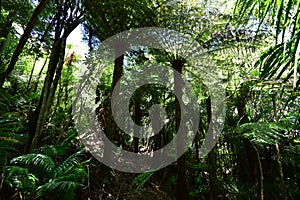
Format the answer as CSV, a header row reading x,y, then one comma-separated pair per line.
x,y
56,180
106,18
51,150
198,188
258,77
42,162
9,130
19,179
140,180
262,133
7,137
58,188
281,16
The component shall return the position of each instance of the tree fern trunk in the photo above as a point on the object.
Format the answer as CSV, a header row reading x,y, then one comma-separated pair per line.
x,y
261,174
137,116
211,158
117,73
182,190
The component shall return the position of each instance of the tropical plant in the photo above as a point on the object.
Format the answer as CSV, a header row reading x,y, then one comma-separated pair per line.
x,y
281,60
38,174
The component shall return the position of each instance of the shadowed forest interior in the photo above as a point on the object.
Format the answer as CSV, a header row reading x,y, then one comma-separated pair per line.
x,y
51,49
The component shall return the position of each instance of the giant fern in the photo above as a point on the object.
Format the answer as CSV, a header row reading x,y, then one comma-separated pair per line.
x,y
263,133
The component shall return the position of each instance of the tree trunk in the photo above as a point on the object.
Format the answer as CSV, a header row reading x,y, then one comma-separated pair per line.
x,y
66,85
43,108
182,190
261,175
117,73
211,158
22,41
31,73
248,157
65,24
137,116
39,75
57,74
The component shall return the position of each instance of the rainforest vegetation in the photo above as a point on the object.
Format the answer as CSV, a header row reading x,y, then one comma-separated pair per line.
x,y
254,46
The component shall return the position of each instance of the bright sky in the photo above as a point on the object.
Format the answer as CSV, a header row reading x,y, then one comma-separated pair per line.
x,y
75,38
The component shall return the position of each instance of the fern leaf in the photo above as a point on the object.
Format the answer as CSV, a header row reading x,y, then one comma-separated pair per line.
x,y
70,162
141,180
51,150
62,189
262,133
43,161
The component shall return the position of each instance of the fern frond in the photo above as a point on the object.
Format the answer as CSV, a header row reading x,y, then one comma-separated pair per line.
x,y
141,180
6,149
42,161
262,133
18,177
70,162
51,150
8,138
63,189
72,134
5,100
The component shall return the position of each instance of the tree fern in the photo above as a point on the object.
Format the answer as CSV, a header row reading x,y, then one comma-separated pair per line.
x,y
262,133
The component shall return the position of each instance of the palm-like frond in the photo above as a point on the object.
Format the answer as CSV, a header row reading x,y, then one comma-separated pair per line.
x,y
283,16
262,133
67,177
62,189
5,100
141,180
61,180
43,162
8,129
279,61
68,164
19,177
239,49
51,150
279,13
8,139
